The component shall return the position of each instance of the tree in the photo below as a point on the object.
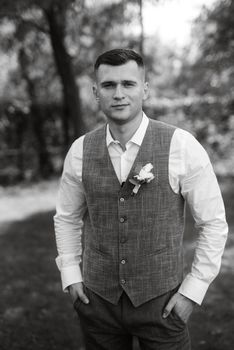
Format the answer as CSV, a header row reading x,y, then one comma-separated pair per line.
x,y
56,17
56,44
207,79
29,13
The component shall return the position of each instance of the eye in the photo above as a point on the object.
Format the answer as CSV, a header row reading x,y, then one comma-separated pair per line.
x,y
108,85
128,84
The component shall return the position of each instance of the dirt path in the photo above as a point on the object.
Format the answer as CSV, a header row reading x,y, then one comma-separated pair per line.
x,y
19,202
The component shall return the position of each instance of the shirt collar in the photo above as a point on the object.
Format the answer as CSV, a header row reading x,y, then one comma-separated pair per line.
x,y
137,138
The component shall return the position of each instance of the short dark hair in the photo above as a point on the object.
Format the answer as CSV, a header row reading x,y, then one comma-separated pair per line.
x,y
117,57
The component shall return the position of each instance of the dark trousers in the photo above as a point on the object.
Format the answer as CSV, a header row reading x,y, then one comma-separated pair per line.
x,y
112,327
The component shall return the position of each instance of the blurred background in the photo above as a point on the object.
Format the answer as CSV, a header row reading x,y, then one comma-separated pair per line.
x,y
47,51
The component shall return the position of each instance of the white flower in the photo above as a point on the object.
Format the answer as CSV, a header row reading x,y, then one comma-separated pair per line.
x,y
145,176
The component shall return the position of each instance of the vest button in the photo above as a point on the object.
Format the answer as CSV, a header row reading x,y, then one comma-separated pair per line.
x,y
123,262
121,199
123,240
122,219
123,281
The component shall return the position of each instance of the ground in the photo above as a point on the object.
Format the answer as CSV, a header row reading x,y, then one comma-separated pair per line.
x,y
36,315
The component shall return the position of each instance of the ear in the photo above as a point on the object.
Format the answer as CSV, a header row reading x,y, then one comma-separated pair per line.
x,y
95,91
146,91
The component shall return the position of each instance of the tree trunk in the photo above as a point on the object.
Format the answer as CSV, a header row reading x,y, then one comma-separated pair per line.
x,y
37,118
20,124
141,41
72,106
44,160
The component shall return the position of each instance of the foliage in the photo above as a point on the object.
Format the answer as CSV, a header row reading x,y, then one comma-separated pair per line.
x,y
46,90
54,44
206,81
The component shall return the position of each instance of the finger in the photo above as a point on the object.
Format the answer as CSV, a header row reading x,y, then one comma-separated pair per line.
x,y
170,305
83,297
77,291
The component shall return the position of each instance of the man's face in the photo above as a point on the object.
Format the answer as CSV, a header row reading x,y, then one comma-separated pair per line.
x,y
121,91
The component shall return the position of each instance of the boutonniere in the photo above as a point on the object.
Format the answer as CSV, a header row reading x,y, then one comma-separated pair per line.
x,y
144,176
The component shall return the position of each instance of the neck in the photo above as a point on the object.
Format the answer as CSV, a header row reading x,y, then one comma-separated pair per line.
x,y
124,132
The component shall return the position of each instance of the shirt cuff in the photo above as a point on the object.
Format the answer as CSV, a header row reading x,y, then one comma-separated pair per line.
x,y
193,288
70,275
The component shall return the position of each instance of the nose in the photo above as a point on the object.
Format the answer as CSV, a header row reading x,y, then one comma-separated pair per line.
x,y
118,94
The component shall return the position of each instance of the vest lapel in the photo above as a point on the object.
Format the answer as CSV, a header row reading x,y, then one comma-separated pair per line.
x,y
140,160
107,160
146,148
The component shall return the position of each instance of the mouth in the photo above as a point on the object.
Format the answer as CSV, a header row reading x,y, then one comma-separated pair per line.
x,y
119,106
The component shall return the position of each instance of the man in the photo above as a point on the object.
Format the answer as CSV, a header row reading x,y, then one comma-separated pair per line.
x,y
128,182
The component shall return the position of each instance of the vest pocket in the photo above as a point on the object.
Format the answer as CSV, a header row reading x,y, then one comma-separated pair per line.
x,y
157,251
100,252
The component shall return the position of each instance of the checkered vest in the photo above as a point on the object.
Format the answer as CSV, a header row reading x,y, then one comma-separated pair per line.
x,y
131,243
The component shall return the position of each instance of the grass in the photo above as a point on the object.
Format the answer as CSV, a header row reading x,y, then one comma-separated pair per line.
x,y
36,315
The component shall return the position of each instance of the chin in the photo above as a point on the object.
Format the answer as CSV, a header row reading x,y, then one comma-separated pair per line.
x,y
120,118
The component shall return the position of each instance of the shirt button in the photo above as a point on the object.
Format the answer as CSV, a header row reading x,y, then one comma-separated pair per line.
x,y
122,219
123,262
122,281
121,199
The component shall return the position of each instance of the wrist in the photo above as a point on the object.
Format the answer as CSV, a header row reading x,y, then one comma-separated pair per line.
x,y
188,299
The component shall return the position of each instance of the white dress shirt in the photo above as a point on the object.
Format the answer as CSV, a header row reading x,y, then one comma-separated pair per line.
x,y
190,173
